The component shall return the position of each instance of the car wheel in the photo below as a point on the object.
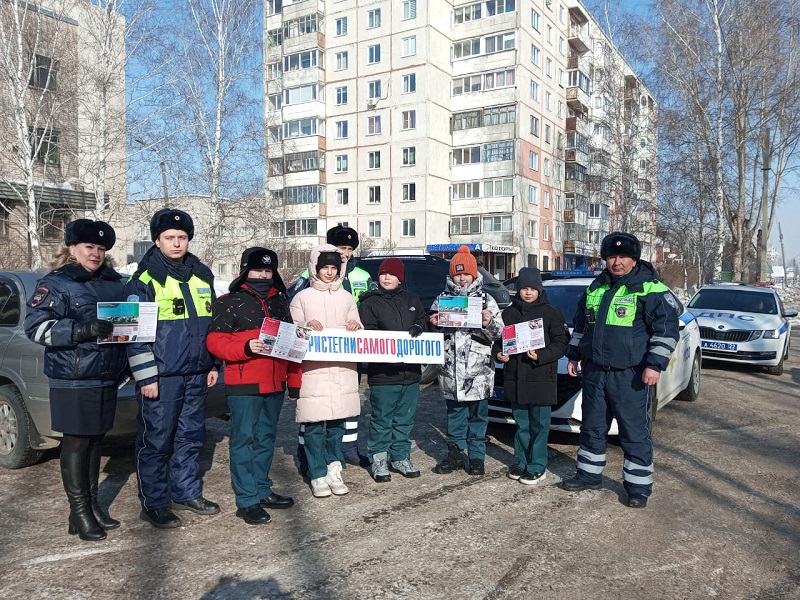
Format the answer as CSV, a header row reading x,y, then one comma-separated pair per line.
x,y
15,431
777,369
692,389
429,373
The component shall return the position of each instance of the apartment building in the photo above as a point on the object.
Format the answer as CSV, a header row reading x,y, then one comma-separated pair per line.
x,y
426,125
58,85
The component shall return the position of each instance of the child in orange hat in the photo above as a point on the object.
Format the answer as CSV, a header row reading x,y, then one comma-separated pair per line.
x,y
467,376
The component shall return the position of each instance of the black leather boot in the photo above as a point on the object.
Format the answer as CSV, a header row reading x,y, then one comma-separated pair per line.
x,y
454,461
100,515
74,467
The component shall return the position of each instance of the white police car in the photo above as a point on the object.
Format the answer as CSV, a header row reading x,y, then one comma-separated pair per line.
x,y
681,379
743,323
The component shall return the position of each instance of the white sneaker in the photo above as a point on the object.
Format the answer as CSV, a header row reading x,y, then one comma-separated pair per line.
x,y
334,479
320,487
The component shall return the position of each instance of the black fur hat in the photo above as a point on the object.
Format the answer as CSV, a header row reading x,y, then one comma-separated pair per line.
x,y
257,258
343,236
170,218
86,231
620,243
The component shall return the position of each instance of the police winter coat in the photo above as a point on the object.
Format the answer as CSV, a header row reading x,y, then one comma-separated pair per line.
x,y
64,300
330,389
625,323
468,370
526,381
184,293
237,320
392,310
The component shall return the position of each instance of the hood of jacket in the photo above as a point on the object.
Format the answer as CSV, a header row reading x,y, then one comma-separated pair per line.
x,y
524,307
313,278
159,267
473,289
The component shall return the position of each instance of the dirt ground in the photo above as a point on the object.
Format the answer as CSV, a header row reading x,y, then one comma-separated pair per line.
x,y
724,520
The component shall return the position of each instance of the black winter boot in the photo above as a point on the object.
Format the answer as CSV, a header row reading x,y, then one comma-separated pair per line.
x,y
454,461
100,515
74,469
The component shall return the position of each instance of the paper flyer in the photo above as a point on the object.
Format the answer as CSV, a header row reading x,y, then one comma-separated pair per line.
x,y
284,340
522,337
461,311
133,321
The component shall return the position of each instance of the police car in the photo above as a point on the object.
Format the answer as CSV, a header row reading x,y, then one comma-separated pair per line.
x,y
743,323
681,379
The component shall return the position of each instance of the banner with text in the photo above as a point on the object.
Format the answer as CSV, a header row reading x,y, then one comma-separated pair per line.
x,y
375,346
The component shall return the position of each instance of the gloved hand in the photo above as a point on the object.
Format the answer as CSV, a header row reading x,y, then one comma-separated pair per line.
x,y
93,329
415,330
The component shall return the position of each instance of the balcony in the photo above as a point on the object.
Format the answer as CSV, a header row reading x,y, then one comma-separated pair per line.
x,y
578,100
575,37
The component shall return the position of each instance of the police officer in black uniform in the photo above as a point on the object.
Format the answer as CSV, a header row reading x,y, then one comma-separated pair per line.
x,y
626,329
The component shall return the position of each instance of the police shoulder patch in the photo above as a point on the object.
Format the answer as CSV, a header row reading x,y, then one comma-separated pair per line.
x,y
671,300
39,296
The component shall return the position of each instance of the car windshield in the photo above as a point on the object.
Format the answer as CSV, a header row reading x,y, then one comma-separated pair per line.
x,y
565,297
735,300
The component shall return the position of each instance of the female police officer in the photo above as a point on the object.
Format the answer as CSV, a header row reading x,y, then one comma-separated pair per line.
x,y
83,375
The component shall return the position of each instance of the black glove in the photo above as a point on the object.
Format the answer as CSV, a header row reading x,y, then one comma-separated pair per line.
x,y
415,330
93,329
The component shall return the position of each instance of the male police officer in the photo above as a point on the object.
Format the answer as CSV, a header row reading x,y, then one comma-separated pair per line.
x,y
626,328
173,373
356,281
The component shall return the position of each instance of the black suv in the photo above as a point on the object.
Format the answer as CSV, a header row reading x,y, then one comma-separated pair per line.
x,y
425,275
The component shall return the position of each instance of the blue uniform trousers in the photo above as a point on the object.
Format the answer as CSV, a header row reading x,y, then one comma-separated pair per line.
x,y
171,432
254,425
323,444
530,440
466,426
619,394
393,411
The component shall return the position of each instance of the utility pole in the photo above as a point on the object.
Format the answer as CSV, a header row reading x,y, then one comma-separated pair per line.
x,y
763,268
148,146
783,252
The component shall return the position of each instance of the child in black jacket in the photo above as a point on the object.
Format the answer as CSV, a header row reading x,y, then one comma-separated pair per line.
x,y
529,378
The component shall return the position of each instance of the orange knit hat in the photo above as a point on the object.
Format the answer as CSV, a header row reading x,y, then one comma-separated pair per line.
x,y
463,262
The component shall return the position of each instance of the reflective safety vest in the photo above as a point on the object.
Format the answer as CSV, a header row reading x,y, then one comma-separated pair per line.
x,y
622,309
172,305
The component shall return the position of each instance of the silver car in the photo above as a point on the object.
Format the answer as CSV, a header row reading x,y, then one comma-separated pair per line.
x,y
24,390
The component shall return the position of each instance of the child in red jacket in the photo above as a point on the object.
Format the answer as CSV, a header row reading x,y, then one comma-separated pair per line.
x,y
255,384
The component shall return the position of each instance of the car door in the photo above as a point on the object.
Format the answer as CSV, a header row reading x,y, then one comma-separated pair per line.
x,y
10,303
676,376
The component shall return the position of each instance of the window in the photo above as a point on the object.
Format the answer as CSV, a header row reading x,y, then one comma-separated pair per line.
x,y
497,151
409,119
497,7
560,109
408,46
497,223
374,54
341,61
342,197
300,60
546,231
594,237
294,228
409,12
533,160
498,79
374,18
562,46
546,169
493,188
548,100
467,120
44,73
465,48
302,194
373,125
274,71
549,34
535,54
533,232
409,156
44,146
535,125
341,26
374,159
374,89
341,95
534,90
465,85
545,263
533,194
548,67
461,225
560,78
341,163
341,130
500,42
535,20
409,192
467,13
296,162
409,227
223,269
466,190
580,80
5,223
374,194
546,202
374,229
466,156
275,101
300,94
558,202
410,83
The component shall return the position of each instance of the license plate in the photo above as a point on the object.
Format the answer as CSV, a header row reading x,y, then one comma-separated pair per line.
x,y
719,346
